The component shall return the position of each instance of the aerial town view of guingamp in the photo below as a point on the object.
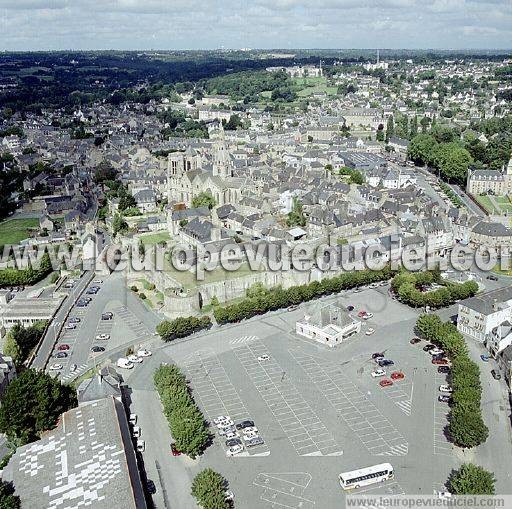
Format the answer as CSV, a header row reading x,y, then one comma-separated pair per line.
x,y
255,255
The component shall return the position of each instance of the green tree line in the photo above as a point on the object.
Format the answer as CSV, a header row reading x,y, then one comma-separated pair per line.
x,y
186,422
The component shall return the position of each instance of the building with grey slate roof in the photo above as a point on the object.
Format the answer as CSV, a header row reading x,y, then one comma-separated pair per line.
x,y
88,460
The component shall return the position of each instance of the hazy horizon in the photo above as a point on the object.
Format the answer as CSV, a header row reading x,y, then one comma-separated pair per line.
x,y
155,25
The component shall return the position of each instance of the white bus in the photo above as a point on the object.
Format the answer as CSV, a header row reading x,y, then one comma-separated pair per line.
x,y
366,476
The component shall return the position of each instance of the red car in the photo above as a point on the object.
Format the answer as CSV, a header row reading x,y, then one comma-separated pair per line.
x,y
397,375
362,313
175,451
442,362
385,382
63,347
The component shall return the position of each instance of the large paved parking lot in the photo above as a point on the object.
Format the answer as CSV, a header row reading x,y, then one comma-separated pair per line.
x,y
319,410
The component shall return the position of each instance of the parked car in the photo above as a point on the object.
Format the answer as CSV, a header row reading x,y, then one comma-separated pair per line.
x,y
436,351
443,398
414,341
97,349
484,357
63,347
254,442
124,363
445,388
233,441
378,372
367,316
245,424
225,424
496,374
361,314
221,418
443,369
61,355
101,337
55,367
264,357
428,347
98,282
141,445
70,326
143,353
350,308
492,277
74,319
250,429
224,432
132,419
174,450
386,382
150,486
369,331
385,362
236,449
134,358
440,362
136,432
397,375
377,355
107,316
293,307
249,436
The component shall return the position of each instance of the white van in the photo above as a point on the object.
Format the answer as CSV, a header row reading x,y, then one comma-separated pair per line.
x,y
124,363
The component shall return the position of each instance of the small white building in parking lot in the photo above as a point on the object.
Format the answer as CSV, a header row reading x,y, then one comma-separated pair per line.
x,y
329,324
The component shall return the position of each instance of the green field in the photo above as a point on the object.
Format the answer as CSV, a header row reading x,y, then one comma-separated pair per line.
x,y
155,238
503,205
14,230
485,201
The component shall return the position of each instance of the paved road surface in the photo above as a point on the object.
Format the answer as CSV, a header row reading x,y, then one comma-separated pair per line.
x,y
46,347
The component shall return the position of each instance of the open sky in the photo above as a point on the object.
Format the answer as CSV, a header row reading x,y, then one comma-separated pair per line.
x,y
208,24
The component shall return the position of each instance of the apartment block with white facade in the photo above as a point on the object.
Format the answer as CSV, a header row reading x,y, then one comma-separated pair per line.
x,y
479,316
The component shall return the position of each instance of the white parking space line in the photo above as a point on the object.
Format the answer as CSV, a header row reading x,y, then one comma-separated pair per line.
x,y
377,434
281,395
132,321
285,489
207,375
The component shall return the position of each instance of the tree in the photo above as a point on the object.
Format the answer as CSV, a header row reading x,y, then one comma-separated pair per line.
x,y
182,326
126,201
467,427
471,479
296,216
204,199
390,128
119,224
453,161
32,404
208,488
414,127
8,500
422,149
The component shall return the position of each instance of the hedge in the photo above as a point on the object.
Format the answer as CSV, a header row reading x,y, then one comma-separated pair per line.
x,y
406,287
278,298
466,425
28,276
182,326
186,422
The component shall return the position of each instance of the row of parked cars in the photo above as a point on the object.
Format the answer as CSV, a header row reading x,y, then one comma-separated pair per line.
x,y
238,436
381,361
443,367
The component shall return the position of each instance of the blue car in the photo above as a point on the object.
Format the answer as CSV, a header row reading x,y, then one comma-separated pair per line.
x,y
484,357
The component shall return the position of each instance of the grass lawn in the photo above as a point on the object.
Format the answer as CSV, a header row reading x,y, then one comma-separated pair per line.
x,y
189,279
14,230
485,201
154,238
